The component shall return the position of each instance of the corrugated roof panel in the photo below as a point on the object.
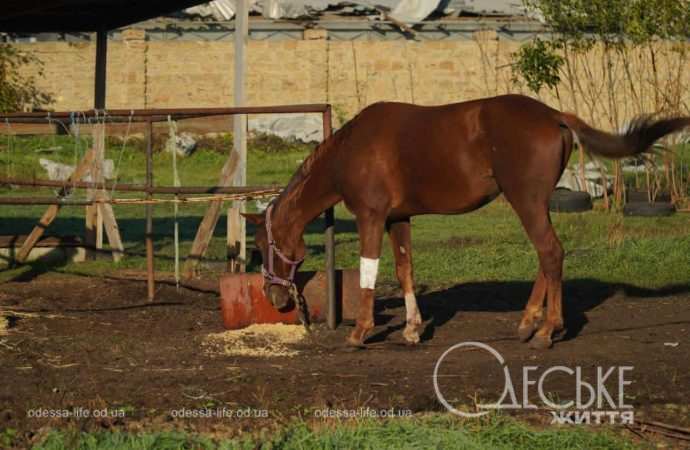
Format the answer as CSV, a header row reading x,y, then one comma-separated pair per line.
x,y
403,10
486,7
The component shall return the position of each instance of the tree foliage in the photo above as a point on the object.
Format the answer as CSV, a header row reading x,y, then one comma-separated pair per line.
x,y
19,91
539,65
580,24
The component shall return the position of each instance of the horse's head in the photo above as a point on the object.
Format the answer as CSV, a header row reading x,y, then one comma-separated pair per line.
x,y
280,258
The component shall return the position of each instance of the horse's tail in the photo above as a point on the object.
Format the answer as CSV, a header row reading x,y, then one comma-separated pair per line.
x,y
642,132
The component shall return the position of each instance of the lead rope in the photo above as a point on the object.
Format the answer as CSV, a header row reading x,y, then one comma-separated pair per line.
x,y
302,310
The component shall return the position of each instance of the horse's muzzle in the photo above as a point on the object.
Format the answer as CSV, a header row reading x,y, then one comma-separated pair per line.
x,y
279,296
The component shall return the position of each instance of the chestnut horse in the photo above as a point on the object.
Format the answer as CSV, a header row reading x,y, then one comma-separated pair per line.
x,y
396,160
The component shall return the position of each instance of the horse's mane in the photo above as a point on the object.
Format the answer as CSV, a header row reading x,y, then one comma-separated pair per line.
x,y
304,171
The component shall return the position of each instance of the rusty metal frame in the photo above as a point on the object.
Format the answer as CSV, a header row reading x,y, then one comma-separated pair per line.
x,y
151,116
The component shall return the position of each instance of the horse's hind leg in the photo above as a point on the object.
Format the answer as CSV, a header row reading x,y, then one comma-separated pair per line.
x,y
535,218
401,241
534,310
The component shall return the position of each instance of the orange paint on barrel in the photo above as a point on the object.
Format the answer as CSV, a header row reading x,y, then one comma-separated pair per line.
x,y
243,301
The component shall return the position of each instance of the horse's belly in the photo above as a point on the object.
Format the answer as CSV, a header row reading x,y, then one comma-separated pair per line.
x,y
449,198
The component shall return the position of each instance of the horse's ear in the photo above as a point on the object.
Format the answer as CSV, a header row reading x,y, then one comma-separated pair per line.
x,y
256,219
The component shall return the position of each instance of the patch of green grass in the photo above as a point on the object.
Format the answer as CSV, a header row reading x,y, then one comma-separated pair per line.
x,y
7,437
430,432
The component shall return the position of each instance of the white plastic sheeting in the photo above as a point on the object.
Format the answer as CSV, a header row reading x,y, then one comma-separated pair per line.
x,y
595,184
217,9
413,10
402,10
61,172
301,127
484,7
291,9
184,144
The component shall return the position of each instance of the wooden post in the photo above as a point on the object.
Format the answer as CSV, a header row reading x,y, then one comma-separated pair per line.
x,y
329,237
150,281
205,231
94,218
234,239
97,176
101,60
93,238
102,215
240,123
107,215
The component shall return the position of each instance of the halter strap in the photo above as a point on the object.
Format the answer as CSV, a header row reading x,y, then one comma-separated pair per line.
x,y
269,274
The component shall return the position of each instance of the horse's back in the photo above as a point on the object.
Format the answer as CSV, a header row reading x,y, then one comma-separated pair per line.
x,y
437,159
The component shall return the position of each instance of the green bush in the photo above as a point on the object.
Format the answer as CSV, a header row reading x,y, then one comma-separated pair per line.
x,y
19,92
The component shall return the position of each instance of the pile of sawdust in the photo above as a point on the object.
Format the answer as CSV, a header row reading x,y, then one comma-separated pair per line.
x,y
258,340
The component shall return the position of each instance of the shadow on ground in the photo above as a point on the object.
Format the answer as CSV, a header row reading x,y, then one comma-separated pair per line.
x,y
579,296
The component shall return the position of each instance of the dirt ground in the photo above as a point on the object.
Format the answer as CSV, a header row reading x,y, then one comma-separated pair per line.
x,y
76,342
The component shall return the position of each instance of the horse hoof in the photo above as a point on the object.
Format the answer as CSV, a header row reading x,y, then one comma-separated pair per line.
x,y
411,335
525,333
540,342
559,335
351,346
353,341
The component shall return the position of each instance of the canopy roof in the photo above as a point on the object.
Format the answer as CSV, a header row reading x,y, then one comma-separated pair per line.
x,y
82,15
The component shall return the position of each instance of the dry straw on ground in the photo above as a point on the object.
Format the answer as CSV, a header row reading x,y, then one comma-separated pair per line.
x,y
258,340
4,325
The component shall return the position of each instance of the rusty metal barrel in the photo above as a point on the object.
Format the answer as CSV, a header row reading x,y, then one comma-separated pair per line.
x,y
243,301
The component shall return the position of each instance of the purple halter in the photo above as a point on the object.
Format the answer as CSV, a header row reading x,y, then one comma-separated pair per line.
x,y
269,275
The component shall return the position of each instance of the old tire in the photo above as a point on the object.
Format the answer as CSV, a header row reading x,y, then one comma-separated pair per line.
x,y
646,209
565,200
632,196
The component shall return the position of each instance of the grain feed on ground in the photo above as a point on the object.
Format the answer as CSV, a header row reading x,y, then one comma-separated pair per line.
x,y
258,340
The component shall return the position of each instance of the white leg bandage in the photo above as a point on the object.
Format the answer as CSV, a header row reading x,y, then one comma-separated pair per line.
x,y
411,307
368,270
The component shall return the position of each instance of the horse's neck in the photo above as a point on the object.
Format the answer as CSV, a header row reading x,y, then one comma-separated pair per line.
x,y
309,193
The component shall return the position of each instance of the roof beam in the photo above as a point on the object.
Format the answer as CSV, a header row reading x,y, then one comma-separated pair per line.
x,y
33,16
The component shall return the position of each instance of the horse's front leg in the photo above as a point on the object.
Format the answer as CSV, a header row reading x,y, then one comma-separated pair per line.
x,y
370,227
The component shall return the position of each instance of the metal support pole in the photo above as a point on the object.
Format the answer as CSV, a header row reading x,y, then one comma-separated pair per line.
x,y
94,223
149,213
240,121
101,65
329,220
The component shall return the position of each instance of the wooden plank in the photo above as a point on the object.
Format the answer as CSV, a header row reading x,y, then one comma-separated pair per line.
x,y
93,238
240,123
99,225
101,217
205,231
52,211
112,230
